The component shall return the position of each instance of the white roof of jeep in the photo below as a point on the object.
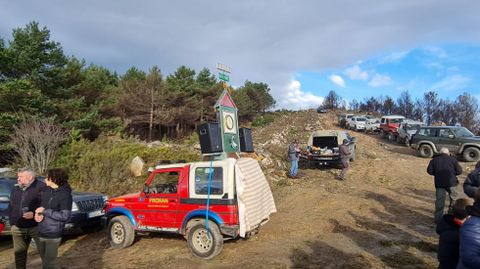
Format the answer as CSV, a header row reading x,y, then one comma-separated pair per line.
x,y
393,117
179,165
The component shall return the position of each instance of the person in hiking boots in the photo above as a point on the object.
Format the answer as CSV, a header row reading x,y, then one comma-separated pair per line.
x,y
445,169
448,229
345,158
55,211
470,237
293,156
472,182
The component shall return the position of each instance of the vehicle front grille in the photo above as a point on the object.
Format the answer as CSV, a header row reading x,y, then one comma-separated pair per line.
x,y
90,205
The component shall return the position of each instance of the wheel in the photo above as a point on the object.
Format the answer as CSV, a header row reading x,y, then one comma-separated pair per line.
x,y
391,136
382,133
425,151
204,244
120,232
353,157
471,154
399,139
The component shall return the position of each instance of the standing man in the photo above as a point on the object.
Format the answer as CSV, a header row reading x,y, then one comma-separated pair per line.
x,y
445,170
472,182
293,156
24,200
55,211
345,157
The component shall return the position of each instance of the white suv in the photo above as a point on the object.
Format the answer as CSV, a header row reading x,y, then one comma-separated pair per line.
x,y
357,123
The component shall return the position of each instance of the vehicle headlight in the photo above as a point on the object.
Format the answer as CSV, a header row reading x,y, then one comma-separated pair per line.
x,y
105,198
74,207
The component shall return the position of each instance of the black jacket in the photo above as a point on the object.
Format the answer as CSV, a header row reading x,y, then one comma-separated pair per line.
x,y
470,239
448,242
445,169
19,198
58,209
472,182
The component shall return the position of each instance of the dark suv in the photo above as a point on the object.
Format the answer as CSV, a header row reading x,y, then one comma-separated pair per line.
x,y
87,208
459,140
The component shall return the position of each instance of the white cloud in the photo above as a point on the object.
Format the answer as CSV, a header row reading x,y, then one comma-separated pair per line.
x,y
295,98
380,80
436,52
337,80
452,83
355,72
394,57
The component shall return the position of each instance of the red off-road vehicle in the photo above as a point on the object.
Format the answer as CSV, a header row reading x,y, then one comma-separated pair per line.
x,y
206,202
389,126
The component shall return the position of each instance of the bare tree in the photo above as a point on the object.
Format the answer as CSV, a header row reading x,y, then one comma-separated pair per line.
x,y
37,142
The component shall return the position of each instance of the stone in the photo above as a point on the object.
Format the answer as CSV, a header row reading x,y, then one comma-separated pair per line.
x,y
136,166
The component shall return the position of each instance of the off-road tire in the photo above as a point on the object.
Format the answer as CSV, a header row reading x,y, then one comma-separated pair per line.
x,y
471,154
399,140
425,151
382,133
120,232
391,136
353,157
204,244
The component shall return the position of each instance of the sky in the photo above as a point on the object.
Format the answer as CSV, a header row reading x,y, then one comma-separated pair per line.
x,y
301,49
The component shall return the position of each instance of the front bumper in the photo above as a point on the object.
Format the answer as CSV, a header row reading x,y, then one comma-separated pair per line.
x,y
84,219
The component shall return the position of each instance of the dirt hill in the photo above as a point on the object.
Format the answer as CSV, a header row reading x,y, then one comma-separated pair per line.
x,y
381,217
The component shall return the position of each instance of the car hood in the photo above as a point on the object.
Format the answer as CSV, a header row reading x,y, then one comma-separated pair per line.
x,y
80,195
126,196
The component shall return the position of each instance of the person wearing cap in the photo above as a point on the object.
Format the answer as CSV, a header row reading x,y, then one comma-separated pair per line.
x,y
445,169
345,158
24,200
293,157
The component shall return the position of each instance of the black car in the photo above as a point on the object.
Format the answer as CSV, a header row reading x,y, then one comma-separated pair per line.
x,y
87,207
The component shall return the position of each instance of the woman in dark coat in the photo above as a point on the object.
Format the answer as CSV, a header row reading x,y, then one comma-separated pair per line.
x,y
54,212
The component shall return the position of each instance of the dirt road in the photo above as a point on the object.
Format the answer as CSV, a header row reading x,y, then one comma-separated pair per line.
x,y
381,217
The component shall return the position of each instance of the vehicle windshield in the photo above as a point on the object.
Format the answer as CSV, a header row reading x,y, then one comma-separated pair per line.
x,y
396,120
349,116
361,119
413,126
463,132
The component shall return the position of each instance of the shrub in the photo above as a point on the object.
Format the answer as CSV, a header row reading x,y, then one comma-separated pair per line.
x,y
103,165
262,120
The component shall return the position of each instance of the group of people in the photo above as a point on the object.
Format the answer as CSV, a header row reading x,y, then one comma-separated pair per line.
x,y
459,226
293,156
39,210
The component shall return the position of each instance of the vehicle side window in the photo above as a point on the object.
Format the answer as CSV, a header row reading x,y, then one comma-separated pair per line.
x,y
383,120
444,133
427,132
164,183
202,175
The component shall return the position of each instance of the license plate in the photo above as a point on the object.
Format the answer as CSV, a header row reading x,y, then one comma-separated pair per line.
x,y
95,214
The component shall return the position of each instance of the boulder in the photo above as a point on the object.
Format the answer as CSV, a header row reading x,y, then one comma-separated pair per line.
x,y
136,166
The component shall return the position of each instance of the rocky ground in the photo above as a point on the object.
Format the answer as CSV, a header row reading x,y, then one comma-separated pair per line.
x,y
381,217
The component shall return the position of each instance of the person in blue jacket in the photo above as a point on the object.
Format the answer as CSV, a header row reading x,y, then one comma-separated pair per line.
x,y
472,182
54,211
470,237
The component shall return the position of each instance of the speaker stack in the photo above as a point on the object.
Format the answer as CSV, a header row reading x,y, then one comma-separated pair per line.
x,y
246,141
210,137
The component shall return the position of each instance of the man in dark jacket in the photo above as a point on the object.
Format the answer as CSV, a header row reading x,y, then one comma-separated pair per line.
x,y
448,229
470,237
472,182
24,200
55,211
445,169
345,158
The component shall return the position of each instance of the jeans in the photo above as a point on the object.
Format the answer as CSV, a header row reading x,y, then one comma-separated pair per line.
x,y
21,240
294,168
48,250
440,197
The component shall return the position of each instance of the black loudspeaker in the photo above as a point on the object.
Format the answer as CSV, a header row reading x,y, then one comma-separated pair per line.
x,y
210,137
246,142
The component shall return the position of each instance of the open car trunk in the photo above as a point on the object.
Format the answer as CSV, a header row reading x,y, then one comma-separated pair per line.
x,y
329,142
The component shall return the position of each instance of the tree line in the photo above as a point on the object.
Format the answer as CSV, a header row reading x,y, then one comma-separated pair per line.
x,y
38,80
464,110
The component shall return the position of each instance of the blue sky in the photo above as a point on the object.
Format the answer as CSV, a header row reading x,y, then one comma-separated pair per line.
x,y
301,49
450,70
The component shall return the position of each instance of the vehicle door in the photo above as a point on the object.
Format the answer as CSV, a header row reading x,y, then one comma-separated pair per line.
x,y
427,134
446,139
161,199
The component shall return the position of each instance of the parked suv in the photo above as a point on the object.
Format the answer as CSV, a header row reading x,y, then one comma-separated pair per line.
x,y
87,207
389,126
343,118
459,140
357,123
406,129
372,125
